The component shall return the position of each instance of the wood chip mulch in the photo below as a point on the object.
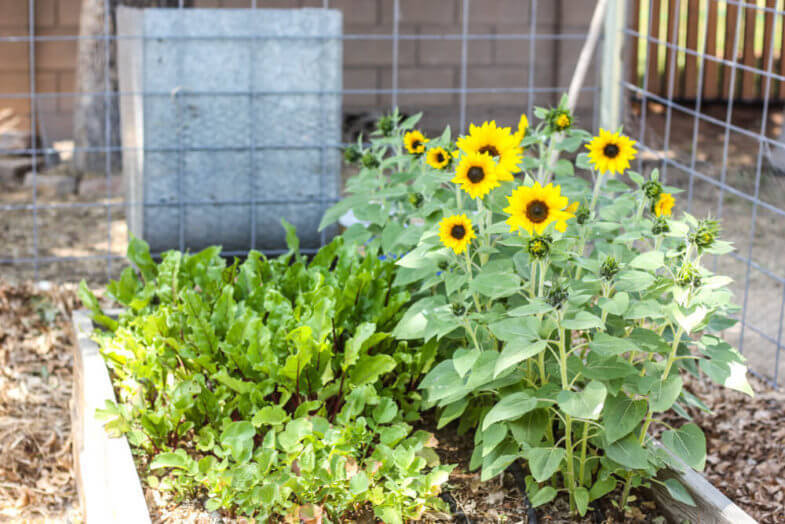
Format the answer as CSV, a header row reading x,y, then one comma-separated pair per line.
x,y
745,443
36,466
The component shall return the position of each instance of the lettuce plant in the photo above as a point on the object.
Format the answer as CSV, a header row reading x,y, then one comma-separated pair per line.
x,y
271,387
566,307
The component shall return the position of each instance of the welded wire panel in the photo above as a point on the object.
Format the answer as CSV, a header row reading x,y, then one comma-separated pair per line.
x,y
706,109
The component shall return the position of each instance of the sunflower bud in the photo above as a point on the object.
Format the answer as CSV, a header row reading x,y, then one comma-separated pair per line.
x,y
559,119
351,154
370,161
688,275
582,214
386,125
416,199
660,226
609,268
444,265
706,233
557,295
458,310
539,247
652,190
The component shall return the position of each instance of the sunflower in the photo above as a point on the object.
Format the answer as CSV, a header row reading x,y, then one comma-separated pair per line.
x,y
523,126
533,208
477,174
559,119
611,152
664,205
498,142
456,232
437,158
415,142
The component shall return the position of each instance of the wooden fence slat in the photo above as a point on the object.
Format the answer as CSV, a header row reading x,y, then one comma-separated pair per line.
x,y
731,14
635,24
782,56
711,71
652,54
768,49
749,78
672,54
691,61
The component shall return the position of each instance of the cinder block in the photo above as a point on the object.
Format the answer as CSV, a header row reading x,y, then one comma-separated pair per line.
x,y
55,55
45,13
256,130
15,56
358,11
14,13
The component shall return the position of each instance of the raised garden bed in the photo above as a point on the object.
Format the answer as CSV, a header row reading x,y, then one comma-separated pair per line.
x,y
111,491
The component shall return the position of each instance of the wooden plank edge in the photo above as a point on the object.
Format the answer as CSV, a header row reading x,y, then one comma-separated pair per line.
x,y
108,485
712,507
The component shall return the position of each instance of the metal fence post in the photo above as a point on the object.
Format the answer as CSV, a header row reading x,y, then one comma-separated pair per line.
x,y
612,65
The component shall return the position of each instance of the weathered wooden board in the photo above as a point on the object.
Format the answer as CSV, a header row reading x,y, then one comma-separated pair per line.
x,y
712,507
109,487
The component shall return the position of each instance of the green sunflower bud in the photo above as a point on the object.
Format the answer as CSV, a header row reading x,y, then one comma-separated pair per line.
x,y
652,189
559,119
706,233
370,161
582,214
539,247
458,310
351,154
386,125
416,199
660,226
557,295
688,275
609,268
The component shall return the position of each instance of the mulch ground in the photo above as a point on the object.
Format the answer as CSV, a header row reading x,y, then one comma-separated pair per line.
x,y
745,437
36,473
745,443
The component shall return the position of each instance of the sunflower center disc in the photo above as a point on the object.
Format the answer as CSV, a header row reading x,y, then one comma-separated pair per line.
x,y
416,145
611,150
537,211
491,150
475,174
458,232
439,158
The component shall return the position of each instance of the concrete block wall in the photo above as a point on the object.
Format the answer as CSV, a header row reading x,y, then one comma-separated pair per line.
x,y
422,63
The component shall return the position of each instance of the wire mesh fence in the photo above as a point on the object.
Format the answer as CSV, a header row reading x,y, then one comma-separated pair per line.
x,y
458,60
727,156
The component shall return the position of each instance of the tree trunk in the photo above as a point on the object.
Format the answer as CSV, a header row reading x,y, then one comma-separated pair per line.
x,y
94,110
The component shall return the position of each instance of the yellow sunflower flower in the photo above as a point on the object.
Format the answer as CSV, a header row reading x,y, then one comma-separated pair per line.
x,y
437,158
415,142
533,208
477,174
664,205
456,232
498,142
611,152
523,126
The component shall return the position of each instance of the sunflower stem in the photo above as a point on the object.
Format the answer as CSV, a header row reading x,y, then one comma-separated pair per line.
x,y
597,186
469,273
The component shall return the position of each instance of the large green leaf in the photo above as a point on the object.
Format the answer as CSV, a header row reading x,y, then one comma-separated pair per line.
x,y
664,393
622,414
628,452
510,407
517,351
496,284
238,437
584,404
544,462
599,368
688,443
582,320
370,367
610,346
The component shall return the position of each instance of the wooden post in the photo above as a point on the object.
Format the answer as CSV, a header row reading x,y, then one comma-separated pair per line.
x,y
612,65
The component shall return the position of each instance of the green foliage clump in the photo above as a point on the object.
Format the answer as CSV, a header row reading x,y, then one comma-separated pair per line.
x,y
272,386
